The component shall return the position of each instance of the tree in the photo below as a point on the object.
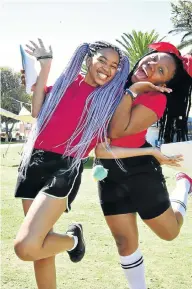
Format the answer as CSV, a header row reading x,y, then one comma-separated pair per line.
x,y
136,44
182,22
84,69
12,93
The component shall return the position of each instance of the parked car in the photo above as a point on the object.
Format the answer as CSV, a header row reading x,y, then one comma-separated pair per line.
x,y
3,135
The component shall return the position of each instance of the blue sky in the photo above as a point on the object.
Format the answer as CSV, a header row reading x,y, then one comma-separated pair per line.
x,y
66,24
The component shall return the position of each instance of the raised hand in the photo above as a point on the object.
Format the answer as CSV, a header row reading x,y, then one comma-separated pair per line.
x,y
39,51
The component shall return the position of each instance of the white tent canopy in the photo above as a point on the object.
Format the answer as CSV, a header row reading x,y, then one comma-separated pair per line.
x,y
24,115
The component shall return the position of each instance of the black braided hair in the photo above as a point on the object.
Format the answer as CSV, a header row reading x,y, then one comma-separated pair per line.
x,y
173,124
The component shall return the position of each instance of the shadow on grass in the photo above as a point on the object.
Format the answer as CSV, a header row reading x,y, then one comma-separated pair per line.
x,y
89,163
10,166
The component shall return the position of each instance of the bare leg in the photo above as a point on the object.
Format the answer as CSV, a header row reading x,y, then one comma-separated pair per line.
x,y
125,231
45,271
34,240
167,226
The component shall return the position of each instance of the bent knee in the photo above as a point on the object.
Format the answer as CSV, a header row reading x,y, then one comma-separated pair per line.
x,y
169,236
126,245
25,250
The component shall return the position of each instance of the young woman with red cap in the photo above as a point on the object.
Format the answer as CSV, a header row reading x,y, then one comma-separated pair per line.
x,y
137,185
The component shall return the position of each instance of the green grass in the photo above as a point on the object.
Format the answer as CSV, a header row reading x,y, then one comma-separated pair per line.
x,y
168,264
12,142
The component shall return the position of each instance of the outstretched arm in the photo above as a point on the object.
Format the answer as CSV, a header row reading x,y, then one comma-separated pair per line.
x,y
118,152
45,59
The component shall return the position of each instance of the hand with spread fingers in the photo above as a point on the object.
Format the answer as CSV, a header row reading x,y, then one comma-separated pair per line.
x,y
39,51
145,86
165,160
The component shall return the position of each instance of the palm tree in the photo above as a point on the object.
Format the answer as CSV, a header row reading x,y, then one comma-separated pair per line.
x,y
84,68
186,40
136,44
182,21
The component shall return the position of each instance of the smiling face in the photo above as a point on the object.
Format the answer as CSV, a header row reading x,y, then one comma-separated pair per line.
x,y
157,68
102,67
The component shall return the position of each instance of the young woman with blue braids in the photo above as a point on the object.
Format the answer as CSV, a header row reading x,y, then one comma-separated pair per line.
x,y
141,187
71,119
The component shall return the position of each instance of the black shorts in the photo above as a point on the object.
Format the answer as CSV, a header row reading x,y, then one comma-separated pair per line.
x,y
141,188
47,173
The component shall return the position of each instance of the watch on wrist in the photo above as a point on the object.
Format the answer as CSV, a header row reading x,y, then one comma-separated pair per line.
x,y
131,93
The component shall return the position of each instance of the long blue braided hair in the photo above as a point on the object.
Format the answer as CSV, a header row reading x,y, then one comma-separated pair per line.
x,y
99,108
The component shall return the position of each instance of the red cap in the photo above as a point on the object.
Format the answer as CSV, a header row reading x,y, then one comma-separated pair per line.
x,y
170,48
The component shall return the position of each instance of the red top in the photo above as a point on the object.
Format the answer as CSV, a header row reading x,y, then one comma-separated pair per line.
x,y
156,102
65,119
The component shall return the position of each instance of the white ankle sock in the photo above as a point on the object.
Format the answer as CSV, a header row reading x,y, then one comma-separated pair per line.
x,y
133,268
179,196
75,242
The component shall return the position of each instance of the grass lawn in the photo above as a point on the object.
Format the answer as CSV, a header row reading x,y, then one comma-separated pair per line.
x,y
168,264
12,142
